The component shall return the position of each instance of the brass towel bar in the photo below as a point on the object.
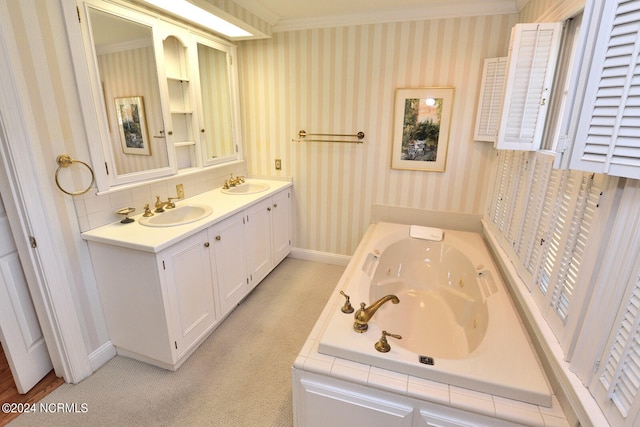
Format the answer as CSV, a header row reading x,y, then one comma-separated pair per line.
x,y
303,134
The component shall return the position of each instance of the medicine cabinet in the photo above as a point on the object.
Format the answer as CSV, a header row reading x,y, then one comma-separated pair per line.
x,y
164,97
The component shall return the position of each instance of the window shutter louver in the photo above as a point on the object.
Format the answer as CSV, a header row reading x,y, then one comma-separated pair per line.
x,y
490,102
583,213
621,375
540,175
519,199
553,237
533,55
607,140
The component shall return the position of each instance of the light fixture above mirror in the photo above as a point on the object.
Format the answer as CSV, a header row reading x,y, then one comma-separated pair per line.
x,y
197,13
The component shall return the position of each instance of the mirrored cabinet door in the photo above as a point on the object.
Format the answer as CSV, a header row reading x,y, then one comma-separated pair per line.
x,y
127,84
215,88
164,95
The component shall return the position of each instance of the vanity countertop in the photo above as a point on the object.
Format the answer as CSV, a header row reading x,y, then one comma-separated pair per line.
x,y
155,239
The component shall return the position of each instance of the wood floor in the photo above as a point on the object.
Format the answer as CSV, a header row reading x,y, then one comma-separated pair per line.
x,y
9,392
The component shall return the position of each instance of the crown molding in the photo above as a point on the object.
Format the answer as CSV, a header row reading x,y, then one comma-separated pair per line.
x,y
449,10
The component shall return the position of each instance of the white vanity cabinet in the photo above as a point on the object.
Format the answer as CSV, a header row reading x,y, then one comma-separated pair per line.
x,y
188,278
157,306
163,294
230,261
268,235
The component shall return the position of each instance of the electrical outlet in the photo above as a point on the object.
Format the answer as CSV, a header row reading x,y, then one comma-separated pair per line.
x,y
278,164
180,191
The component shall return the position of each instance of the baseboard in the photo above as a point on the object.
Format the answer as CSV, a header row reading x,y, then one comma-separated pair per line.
x,y
317,256
101,355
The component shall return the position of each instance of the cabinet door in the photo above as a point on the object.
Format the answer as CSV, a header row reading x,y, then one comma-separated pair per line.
x,y
258,240
280,225
228,242
188,275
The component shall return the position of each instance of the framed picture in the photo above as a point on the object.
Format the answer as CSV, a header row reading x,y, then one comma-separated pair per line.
x,y
132,124
421,128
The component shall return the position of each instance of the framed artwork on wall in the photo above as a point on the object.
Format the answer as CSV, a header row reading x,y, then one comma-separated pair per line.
x,y
132,124
421,128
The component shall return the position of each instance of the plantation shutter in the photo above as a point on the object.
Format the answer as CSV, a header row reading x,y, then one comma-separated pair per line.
x,y
552,239
490,102
620,376
533,54
527,247
583,215
500,202
519,198
607,139
546,218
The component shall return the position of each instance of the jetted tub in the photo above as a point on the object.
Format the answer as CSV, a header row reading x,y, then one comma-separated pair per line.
x,y
457,323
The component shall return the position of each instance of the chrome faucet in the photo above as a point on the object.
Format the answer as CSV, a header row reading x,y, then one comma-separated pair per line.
x,y
363,315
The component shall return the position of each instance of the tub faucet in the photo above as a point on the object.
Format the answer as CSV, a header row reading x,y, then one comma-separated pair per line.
x,y
363,315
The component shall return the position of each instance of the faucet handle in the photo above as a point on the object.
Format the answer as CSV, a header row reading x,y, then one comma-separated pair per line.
x,y
347,307
382,345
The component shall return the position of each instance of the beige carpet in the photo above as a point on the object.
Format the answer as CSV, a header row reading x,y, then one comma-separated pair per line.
x,y
240,376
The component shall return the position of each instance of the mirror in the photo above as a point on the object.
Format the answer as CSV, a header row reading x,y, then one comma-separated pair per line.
x,y
127,70
216,121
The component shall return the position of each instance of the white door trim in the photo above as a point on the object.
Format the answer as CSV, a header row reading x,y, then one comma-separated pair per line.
x,y
24,197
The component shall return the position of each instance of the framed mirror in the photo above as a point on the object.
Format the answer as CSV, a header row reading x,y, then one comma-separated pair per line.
x,y
160,97
215,91
128,82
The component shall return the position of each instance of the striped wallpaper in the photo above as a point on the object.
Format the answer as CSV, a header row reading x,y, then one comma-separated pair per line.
x,y
343,80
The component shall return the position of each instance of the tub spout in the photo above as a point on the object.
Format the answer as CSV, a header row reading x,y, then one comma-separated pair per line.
x,y
363,315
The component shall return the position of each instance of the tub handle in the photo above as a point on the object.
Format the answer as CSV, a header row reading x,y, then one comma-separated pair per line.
x,y
347,307
382,345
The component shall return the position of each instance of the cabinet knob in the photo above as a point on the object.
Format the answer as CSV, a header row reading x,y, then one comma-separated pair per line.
x,y
170,132
206,244
269,209
202,130
218,237
275,205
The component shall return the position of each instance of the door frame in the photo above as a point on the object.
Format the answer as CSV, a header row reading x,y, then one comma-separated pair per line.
x,y
23,195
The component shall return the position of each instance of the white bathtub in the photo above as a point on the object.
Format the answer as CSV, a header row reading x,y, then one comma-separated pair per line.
x,y
457,323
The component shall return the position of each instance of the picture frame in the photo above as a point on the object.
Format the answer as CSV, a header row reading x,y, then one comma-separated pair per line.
x,y
132,125
422,121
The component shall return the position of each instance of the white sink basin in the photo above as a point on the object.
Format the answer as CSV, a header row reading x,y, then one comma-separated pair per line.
x,y
246,188
177,216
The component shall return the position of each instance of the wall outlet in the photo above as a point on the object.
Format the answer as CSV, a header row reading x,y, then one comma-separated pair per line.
x,y
278,164
180,191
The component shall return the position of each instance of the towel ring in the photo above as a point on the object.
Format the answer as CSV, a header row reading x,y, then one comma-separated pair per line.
x,y
64,161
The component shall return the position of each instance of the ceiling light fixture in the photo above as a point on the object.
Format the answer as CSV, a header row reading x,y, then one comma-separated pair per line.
x,y
200,16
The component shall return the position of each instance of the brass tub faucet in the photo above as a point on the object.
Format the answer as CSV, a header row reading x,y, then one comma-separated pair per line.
x,y
363,315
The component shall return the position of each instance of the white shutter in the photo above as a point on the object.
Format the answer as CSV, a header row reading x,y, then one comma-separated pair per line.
x,y
621,374
520,190
533,54
607,139
490,100
583,214
528,246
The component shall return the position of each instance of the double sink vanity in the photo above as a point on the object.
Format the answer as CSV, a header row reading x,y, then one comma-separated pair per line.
x,y
167,284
